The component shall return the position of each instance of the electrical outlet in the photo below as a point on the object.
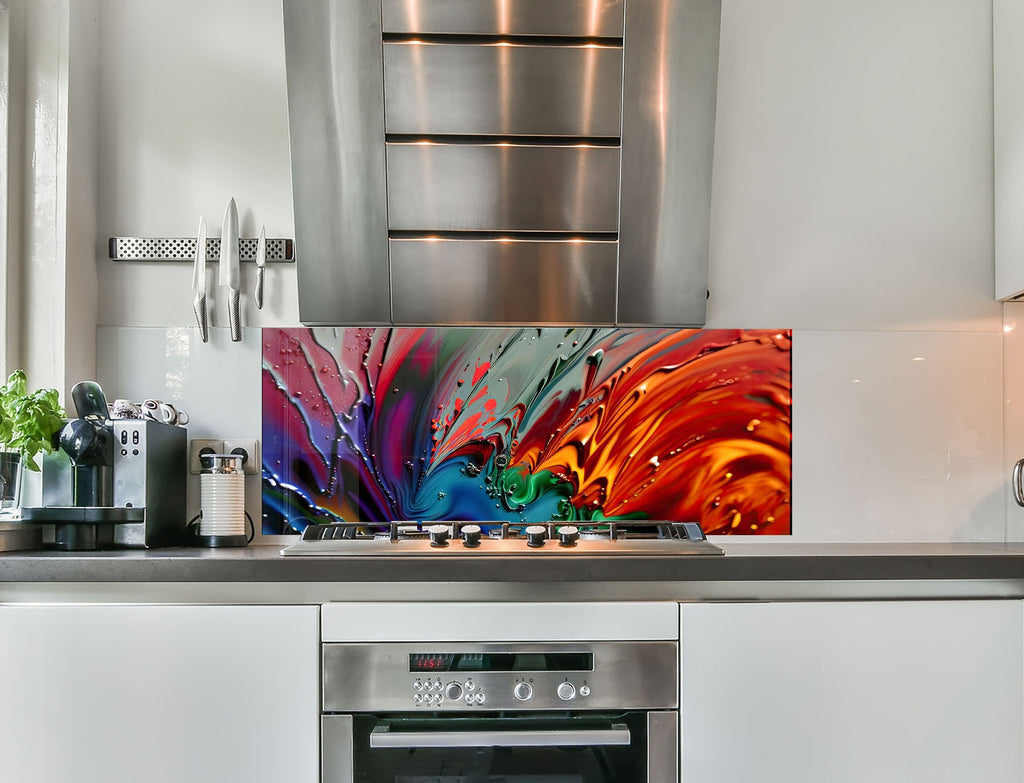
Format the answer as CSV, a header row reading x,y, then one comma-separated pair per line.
x,y
198,446
249,448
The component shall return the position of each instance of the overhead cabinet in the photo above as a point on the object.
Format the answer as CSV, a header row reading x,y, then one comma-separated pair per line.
x,y
1008,131
477,161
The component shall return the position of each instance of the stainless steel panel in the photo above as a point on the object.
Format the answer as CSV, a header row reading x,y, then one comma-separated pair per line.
x,y
502,187
598,18
20,535
375,677
382,737
495,548
512,281
498,89
336,122
662,747
670,72
336,749
150,474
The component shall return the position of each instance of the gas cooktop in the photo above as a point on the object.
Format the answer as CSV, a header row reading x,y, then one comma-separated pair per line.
x,y
344,539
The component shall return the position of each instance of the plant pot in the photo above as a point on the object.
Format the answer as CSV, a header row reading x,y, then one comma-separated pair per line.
x,y
11,470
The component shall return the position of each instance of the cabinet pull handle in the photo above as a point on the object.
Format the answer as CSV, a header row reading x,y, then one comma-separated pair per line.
x,y
1018,486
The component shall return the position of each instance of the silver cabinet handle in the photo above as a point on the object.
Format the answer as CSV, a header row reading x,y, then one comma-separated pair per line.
x,y
383,737
1018,486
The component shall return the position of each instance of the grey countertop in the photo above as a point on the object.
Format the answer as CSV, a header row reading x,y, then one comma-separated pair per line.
x,y
906,570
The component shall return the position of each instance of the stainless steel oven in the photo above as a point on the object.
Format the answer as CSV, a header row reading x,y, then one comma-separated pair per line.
x,y
523,712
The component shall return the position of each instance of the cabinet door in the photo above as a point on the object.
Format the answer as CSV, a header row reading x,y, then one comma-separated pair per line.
x,y
1008,119
159,694
858,692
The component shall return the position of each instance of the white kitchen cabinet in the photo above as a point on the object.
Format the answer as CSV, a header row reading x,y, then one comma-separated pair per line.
x,y
1008,133
852,692
159,694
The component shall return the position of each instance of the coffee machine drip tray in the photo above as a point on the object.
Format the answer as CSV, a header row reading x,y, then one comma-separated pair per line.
x,y
81,528
89,515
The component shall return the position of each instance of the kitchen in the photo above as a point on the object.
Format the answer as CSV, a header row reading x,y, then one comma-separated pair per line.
x,y
852,202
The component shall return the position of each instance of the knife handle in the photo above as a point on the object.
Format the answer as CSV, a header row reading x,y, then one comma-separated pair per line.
x,y
234,317
199,305
258,294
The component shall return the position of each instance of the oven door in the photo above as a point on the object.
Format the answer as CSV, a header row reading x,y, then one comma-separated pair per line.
x,y
629,747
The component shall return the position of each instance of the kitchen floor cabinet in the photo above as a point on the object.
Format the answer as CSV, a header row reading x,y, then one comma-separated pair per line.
x,y
852,692
159,694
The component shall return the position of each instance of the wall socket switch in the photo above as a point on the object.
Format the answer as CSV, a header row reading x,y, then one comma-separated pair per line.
x,y
249,448
198,446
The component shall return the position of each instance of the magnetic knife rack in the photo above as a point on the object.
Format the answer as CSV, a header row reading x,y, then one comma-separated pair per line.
x,y
279,251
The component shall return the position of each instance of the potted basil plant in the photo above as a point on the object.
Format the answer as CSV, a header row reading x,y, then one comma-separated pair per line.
x,y
28,423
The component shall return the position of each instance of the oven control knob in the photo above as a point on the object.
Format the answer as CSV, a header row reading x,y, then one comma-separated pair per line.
x,y
522,691
535,535
470,535
438,535
566,691
568,535
584,690
453,691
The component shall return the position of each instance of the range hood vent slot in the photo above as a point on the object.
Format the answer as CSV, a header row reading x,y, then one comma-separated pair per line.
x,y
501,40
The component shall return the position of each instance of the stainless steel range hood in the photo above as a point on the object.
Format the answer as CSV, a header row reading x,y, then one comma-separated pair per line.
x,y
502,161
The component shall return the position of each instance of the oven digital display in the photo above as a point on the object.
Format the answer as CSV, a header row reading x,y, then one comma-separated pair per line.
x,y
502,662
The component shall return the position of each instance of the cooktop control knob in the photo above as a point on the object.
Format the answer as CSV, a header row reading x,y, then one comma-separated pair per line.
x,y
568,535
522,691
566,691
453,691
535,535
438,535
471,535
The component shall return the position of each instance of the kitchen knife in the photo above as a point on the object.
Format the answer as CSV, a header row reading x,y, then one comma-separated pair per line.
x,y
261,262
229,274
199,281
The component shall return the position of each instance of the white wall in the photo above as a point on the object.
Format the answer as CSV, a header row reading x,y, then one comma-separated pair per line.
x,y
852,202
193,112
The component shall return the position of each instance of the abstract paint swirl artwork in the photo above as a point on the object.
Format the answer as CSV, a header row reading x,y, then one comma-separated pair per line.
x,y
527,425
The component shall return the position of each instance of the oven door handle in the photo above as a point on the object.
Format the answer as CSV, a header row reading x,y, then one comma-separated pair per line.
x,y
383,737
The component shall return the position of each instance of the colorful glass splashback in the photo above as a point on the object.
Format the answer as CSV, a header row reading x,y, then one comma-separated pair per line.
x,y
527,425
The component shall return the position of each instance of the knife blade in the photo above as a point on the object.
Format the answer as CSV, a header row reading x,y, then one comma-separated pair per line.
x,y
261,262
199,282
229,273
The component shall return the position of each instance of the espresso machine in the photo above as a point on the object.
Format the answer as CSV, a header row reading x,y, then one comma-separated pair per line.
x,y
112,482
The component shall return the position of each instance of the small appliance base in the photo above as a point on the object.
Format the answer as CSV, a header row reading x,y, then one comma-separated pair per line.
x,y
219,541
